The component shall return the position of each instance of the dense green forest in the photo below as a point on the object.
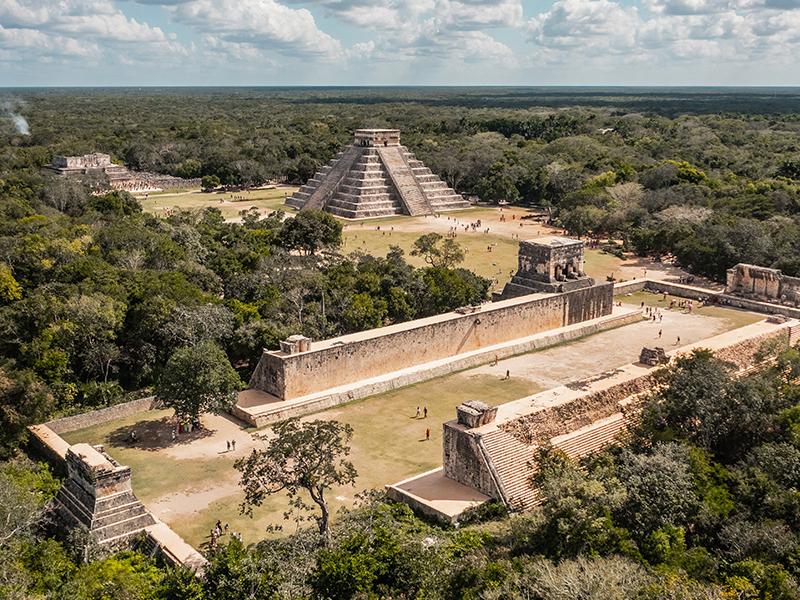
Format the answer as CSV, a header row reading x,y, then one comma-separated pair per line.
x,y
702,503
97,297
711,176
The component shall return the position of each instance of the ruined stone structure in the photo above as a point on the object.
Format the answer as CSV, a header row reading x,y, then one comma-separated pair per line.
x,y
375,176
653,356
493,451
97,495
548,264
764,284
118,177
293,372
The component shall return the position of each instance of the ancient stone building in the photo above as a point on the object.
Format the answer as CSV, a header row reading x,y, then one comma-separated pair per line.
x,y
97,495
117,177
65,165
376,176
762,283
548,264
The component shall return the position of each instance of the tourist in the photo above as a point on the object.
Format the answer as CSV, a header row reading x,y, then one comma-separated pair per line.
x,y
416,416
425,412
427,434
228,444
508,374
233,445
660,331
678,341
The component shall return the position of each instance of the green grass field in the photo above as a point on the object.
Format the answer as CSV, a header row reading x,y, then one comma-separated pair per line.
x,y
733,318
496,265
388,445
229,203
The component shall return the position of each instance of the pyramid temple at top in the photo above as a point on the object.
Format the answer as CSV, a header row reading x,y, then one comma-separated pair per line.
x,y
374,177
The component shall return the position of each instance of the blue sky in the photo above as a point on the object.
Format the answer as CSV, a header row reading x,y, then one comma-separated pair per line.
x,y
399,42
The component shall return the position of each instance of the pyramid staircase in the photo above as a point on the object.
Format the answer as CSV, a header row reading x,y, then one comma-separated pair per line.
x,y
375,178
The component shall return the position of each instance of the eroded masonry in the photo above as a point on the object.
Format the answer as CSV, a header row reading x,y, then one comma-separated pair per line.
x,y
376,176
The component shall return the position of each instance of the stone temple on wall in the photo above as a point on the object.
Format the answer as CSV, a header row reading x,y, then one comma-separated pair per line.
x,y
376,176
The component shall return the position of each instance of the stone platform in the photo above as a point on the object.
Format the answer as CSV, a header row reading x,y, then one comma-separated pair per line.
x,y
376,177
260,409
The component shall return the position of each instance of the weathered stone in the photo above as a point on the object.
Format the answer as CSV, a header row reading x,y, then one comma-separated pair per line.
x,y
653,356
475,413
375,176
762,283
377,352
97,496
548,264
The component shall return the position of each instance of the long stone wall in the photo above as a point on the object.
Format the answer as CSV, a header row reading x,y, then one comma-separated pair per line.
x,y
102,415
351,358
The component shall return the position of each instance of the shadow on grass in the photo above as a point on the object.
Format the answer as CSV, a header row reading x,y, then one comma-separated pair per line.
x,y
154,435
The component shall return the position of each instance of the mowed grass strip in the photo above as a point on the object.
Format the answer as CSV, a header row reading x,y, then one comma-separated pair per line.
x,y
228,202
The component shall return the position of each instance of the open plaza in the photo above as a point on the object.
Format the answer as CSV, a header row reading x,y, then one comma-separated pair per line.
x,y
190,483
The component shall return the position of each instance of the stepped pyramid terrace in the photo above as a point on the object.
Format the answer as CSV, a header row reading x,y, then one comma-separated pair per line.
x,y
376,176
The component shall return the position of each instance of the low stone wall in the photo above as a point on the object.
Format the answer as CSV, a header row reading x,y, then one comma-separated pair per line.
x,y
355,357
499,459
438,369
163,540
102,415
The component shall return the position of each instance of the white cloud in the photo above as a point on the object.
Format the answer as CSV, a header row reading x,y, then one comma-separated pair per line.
x,y
263,23
87,29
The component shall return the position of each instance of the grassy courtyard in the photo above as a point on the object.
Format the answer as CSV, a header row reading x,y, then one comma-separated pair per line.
x,y
230,203
192,483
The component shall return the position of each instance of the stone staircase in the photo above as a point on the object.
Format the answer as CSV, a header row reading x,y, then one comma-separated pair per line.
x,y
329,179
366,191
365,181
97,496
405,182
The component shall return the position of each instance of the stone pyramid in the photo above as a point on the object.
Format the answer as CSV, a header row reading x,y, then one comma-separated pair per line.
x,y
376,177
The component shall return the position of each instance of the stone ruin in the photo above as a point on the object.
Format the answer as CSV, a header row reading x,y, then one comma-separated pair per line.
x,y
549,264
764,284
376,176
295,343
118,177
97,496
475,413
653,356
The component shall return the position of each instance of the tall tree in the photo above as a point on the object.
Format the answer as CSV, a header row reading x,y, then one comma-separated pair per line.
x,y
198,379
310,457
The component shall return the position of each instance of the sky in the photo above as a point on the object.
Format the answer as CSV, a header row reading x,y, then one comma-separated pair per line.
x,y
399,42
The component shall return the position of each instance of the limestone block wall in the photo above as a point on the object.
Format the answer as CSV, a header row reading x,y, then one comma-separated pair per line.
x,y
381,351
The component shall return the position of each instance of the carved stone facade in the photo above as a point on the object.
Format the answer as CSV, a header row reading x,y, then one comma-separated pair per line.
x,y
548,264
97,496
762,283
376,176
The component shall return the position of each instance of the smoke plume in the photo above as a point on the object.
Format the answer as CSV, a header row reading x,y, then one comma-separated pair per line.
x,y
20,123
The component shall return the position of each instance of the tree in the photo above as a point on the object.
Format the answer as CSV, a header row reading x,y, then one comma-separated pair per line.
x,y
308,457
310,231
24,400
209,182
438,251
198,379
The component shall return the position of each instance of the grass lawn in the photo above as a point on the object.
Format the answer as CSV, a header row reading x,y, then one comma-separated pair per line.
x,y
227,202
733,317
497,265
388,445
